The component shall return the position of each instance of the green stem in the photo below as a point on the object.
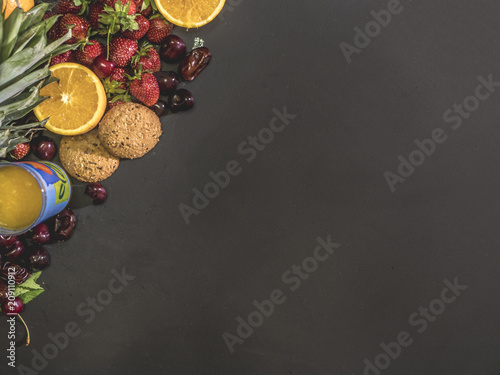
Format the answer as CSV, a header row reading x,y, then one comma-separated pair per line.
x,y
109,33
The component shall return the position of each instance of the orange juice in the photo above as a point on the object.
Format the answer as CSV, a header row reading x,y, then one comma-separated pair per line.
x,y
30,193
20,198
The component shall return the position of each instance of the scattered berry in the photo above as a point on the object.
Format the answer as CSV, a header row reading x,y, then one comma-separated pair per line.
x,y
38,258
102,67
95,10
97,192
14,251
121,51
64,224
12,308
20,152
160,107
181,100
143,24
173,49
6,241
67,56
89,52
44,148
159,29
125,3
40,234
144,87
67,6
167,82
148,57
79,31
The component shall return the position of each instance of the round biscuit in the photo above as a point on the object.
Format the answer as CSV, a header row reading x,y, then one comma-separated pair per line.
x,y
130,130
84,157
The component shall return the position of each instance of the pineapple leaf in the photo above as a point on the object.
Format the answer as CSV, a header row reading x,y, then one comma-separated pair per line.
x,y
1,23
11,31
14,135
33,16
33,32
22,104
30,57
22,83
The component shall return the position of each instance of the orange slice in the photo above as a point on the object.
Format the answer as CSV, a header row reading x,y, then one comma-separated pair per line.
x,y
190,13
76,103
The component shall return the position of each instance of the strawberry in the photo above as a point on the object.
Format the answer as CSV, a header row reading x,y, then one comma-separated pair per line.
x,y
121,51
21,150
79,30
159,29
67,56
89,52
143,24
148,57
119,99
52,33
96,10
144,87
143,7
112,3
118,75
67,6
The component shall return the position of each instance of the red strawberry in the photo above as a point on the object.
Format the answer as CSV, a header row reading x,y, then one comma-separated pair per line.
x,y
79,31
115,103
159,29
148,57
121,51
143,28
145,88
112,3
118,75
146,12
89,53
96,10
67,56
67,6
52,33
21,150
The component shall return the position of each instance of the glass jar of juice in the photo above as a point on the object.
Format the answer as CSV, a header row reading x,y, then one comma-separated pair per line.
x,y
30,193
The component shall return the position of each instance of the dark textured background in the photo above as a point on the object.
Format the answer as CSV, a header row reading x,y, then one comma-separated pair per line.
x,y
322,175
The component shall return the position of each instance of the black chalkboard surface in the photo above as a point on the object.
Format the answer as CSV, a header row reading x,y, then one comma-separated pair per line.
x,y
330,206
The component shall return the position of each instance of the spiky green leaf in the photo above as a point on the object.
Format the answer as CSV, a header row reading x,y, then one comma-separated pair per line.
x,y
30,57
11,32
33,16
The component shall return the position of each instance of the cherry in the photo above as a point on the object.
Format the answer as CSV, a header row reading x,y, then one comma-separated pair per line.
x,y
40,234
14,251
44,148
64,224
173,49
181,100
102,67
97,192
19,273
6,241
38,258
167,82
14,307
160,107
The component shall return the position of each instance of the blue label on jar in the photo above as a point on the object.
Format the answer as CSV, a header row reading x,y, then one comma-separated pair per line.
x,y
55,183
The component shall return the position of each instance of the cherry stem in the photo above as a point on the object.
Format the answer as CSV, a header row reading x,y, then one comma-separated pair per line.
x,y
28,339
109,33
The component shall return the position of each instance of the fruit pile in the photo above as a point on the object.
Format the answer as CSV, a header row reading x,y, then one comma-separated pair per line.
x,y
66,67
123,43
